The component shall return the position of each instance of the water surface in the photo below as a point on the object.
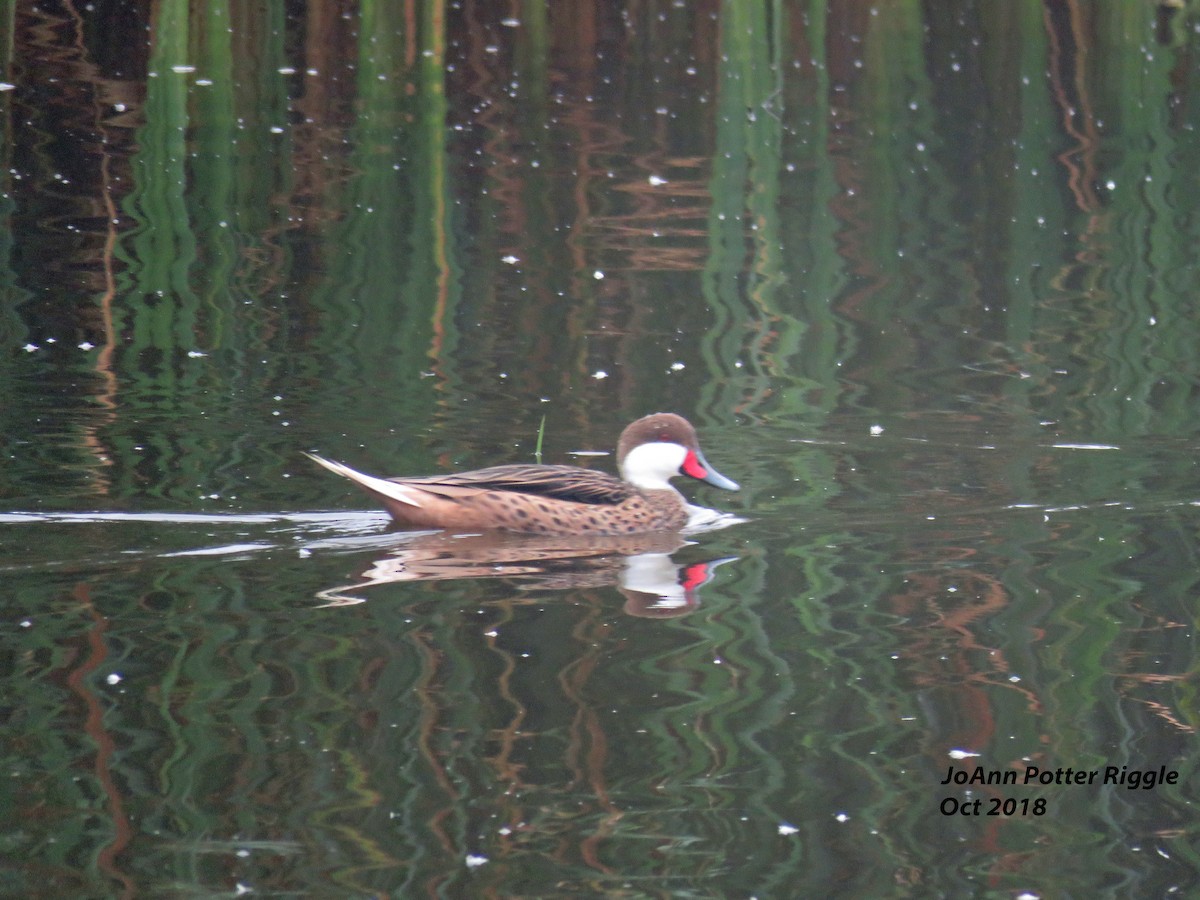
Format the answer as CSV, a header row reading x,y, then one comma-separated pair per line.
x,y
922,278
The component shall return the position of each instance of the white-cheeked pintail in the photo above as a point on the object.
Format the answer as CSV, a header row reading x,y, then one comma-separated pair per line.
x,y
539,499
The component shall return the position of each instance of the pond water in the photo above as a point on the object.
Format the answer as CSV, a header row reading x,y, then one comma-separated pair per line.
x,y
923,279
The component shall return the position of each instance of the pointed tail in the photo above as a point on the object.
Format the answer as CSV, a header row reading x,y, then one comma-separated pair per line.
x,y
389,489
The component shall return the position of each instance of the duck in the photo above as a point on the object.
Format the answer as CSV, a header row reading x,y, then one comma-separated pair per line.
x,y
556,499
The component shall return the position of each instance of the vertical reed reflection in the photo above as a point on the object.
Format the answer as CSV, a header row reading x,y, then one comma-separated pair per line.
x,y
938,261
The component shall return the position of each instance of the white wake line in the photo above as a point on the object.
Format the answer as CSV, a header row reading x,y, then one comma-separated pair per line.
x,y
115,518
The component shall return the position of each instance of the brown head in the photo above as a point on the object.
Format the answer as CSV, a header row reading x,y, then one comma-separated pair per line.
x,y
658,447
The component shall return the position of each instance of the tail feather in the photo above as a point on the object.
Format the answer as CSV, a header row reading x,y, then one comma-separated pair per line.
x,y
389,489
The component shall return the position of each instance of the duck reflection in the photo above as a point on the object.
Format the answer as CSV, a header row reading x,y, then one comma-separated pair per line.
x,y
640,566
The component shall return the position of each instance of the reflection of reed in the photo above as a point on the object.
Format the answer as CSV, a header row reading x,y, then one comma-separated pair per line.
x,y
943,649
668,225
880,176
106,767
98,105
1068,69
580,728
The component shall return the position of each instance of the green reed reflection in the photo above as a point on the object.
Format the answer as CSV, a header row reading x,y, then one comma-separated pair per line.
x,y
390,289
923,276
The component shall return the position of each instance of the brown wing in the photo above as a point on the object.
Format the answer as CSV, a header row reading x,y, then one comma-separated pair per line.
x,y
558,482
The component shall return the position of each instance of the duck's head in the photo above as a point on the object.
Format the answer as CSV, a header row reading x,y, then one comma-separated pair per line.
x,y
656,448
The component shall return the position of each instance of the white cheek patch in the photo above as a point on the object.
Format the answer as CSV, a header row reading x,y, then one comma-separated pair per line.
x,y
651,466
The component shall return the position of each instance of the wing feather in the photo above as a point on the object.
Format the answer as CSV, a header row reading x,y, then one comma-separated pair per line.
x,y
570,483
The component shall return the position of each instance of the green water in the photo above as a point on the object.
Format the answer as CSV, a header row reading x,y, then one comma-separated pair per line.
x,y
924,280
